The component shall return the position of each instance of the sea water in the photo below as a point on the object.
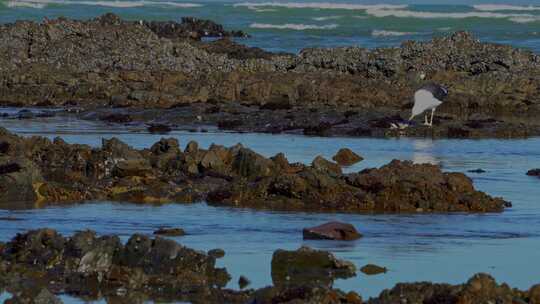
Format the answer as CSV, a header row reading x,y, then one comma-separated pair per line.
x,y
420,247
290,26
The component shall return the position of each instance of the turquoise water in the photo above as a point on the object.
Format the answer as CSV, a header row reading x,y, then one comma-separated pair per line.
x,y
293,25
441,247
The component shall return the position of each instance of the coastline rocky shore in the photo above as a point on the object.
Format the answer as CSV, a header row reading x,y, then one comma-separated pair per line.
x,y
163,71
37,265
42,171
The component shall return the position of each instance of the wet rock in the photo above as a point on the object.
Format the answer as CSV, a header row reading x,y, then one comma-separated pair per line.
x,y
307,266
55,171
481,288
117,118
371,269
304,294
332,231
89,265
29,296
25,114
479,171
534,172
159,128
320,163
170,231
243,282
192,28
4,147
346,157
216,253
534,294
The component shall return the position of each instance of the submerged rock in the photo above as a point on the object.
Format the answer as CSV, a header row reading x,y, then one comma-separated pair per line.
x,y
170,232
372,269
534,172
306,266
332,231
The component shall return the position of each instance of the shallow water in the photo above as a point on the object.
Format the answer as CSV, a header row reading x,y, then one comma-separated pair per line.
x,y
442,248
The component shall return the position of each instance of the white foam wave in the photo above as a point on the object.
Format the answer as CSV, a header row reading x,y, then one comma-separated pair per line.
x,y
116,4
292,26
14,4
437,15
384,33
320,5
327,18
505,7
525,19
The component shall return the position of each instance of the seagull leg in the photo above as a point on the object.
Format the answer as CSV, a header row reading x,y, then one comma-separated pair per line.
x,y
426,123
432,114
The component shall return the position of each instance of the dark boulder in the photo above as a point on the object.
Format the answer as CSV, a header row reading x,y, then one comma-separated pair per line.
x,y
346,157
371,269
332,231
170,232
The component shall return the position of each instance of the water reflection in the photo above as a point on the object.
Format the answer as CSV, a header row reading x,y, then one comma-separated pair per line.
x,y
423,152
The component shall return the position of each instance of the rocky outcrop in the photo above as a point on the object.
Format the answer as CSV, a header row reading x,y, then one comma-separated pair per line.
x,y
346,157
480,289
332,231
38,170
110,62
93,266
306,266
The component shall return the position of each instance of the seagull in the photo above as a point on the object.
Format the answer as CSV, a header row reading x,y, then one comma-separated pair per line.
x,y
428,97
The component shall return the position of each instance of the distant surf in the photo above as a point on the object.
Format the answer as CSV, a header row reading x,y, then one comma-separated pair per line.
x,y
385,33
292,26
320,5
505,7
40,4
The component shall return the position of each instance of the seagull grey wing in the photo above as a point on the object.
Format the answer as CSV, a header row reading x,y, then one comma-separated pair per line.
x,y
438,91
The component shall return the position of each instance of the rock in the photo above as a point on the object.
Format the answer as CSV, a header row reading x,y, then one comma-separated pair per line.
x,y
481,288
132,168
4,147
89,265
25,114
38,170
159,128
479,171
332,231
346,157
40,296
190,27
117,118
320,163
170,231
534,294
303,294
243,282
216,253
307,266
534,172
371,269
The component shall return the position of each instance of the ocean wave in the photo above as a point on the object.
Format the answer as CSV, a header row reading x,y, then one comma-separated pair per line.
x,y
327,18
505,7
384,33
15,4
320,5
522,18
292,26
39,4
